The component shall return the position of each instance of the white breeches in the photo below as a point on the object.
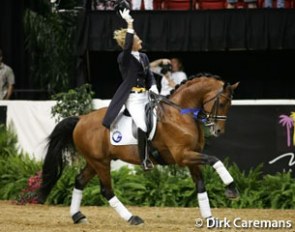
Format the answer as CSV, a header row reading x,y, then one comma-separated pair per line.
x,y
135,104
148,4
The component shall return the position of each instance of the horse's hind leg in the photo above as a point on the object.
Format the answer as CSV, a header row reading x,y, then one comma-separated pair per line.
x,y
103,171
80,182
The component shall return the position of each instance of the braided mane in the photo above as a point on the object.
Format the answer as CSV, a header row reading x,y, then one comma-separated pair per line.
x,y
192,77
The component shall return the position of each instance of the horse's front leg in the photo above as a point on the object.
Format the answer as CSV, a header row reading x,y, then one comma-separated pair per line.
x,y
203,199
231,190
191,158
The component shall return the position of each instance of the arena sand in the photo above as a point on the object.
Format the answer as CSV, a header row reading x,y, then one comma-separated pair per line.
x,y
45,218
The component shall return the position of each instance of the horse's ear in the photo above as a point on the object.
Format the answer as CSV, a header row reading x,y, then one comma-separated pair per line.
x,y
234,86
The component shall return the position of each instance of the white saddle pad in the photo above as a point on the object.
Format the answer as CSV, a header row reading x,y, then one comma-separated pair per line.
x,y
121,130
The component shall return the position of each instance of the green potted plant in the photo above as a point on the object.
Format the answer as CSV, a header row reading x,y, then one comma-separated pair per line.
x,y
74,102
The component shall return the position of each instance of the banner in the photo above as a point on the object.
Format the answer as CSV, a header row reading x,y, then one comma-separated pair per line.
x,y
258,134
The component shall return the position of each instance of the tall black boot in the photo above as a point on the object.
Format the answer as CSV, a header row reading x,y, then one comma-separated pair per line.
x,y
146,163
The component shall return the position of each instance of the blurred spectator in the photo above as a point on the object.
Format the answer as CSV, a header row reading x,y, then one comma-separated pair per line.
x,y
6,80
171,71
148,4
250,4
103,4
269,3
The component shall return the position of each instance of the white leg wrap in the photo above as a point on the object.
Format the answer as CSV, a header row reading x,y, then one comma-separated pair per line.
x,y
116,204
76,201
223,173
204,205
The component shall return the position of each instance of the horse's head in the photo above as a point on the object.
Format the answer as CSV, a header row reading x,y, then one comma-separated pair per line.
x,y
216,104
206,97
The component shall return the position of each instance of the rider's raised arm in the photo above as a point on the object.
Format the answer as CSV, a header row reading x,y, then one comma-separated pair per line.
x,y
127,48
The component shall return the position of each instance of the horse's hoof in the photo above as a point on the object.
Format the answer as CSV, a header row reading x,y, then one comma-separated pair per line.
x,y
231,192
83,221
135,220
79,218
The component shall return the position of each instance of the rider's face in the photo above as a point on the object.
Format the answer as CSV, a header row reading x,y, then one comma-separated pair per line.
x,y
136,43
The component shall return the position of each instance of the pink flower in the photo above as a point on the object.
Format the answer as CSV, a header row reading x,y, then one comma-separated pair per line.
x,y
29,194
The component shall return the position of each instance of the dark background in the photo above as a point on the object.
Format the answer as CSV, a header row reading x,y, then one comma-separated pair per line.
x,y
255,47
12,37
264,73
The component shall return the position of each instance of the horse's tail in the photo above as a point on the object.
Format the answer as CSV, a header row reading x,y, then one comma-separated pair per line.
x,y
60,139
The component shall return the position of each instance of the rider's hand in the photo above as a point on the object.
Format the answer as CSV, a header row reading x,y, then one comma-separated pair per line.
x,y
126,16
154,89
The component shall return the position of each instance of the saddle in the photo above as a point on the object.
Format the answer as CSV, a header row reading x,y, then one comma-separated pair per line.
x,y
123,130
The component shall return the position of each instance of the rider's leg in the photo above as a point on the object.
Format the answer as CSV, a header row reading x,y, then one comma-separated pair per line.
x,y
142,149
136,107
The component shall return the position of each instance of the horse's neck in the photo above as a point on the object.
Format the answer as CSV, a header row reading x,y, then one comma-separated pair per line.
x,y
191,96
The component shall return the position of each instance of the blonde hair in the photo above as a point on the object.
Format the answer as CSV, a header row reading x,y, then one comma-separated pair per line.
x,y
119,36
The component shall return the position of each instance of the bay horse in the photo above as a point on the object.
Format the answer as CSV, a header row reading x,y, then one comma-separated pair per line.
x,y
179,139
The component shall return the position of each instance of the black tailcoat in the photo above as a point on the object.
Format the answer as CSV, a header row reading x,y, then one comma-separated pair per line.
x,y
131,69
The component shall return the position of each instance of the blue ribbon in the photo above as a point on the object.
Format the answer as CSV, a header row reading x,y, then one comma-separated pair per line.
x,y
194,111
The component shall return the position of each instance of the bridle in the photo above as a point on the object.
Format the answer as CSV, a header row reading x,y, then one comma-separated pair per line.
x,y
208,118
213,116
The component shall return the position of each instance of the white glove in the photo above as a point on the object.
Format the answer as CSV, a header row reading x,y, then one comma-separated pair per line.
x,y
154,89
126,16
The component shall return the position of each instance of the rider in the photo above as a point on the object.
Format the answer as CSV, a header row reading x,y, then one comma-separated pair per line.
x,y
137,78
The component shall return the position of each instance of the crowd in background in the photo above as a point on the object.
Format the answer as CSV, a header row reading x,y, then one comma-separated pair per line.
x,y
7,79
194,4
